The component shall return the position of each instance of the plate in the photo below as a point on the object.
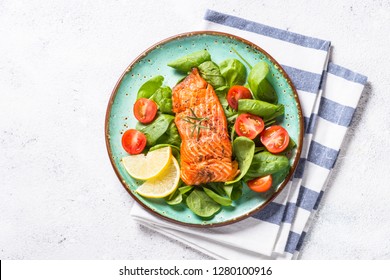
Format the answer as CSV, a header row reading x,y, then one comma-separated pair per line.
x,y
152,62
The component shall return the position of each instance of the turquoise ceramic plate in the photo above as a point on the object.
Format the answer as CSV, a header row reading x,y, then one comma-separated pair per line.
x,y
153,62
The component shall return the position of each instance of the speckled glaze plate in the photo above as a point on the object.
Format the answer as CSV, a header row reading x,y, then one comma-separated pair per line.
x,y
153,62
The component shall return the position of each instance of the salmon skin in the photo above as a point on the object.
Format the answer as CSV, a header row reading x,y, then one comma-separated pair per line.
x,y
206,150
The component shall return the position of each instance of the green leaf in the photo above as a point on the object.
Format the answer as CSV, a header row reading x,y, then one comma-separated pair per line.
x,y
228,190
234,191
185,189
163,98
291,145
265,163
177,155
243,59
170,136
210,72
150,87
221,94
156,129
224,201
259,85
279,176
175,198
260,108
259,149
201,204
233,71
216,187
187,62
288,152
266,92
159,146
244,149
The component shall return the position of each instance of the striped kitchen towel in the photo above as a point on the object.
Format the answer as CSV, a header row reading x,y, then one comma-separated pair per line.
x,y
329,95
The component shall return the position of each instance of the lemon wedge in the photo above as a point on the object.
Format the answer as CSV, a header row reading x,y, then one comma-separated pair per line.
x,y
164,184
144,167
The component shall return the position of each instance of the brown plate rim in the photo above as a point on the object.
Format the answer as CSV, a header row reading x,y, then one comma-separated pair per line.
x,y
190,34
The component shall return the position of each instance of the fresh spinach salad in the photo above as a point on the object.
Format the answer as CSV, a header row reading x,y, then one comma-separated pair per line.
x,y
260,145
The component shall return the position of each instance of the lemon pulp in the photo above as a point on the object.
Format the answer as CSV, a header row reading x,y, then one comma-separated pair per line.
x,y
144,167
164,184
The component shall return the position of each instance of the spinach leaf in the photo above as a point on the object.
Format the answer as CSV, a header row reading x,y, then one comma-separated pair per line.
x,y
159,146
201,204
175,198
150,87
231,122
234,71
163,98
187,62
210,72
170,136
244,149
291,145
221,94
265,163
288,152
242,58
279,176
260,108
224,201
156,129
234,191
185,189
259,85
216,187
259,149
228,190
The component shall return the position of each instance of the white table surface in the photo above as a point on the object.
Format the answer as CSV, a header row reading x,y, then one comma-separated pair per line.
x,y
59,61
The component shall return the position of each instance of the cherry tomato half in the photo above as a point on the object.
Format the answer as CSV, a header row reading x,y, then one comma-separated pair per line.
x,y
145,110
133,141
261,184
235,93
275,139
249,125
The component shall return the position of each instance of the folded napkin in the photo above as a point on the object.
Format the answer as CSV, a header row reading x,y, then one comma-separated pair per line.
x,y
329,94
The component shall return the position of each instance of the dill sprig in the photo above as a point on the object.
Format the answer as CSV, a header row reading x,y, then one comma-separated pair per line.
x,y
196,123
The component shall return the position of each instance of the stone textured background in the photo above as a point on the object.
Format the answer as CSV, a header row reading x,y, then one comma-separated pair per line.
x,y
59,61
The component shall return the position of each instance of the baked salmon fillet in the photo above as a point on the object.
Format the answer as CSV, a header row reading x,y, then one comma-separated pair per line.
x,y
206,150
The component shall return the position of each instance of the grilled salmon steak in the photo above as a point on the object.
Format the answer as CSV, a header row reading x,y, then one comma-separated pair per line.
x,y
206,150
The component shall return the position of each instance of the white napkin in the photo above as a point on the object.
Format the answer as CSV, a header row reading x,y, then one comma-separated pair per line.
x,y
329,95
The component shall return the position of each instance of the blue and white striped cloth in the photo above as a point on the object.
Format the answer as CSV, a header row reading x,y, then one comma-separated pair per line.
x,y
329,95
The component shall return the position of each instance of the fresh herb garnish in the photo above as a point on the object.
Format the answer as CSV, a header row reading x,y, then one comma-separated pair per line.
x,y
196,123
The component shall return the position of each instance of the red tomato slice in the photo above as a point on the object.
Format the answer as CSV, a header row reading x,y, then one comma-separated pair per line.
x,y
261,184
275,139
235,93
133,141
145,110
249,125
